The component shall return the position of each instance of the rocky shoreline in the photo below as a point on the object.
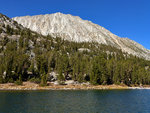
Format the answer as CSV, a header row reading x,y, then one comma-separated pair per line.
x,y
51,86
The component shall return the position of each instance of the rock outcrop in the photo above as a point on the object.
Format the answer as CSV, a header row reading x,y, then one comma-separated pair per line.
x,y
5,21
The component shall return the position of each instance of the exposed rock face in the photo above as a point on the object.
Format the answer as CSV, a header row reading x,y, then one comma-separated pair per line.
x,y
73,28
4,21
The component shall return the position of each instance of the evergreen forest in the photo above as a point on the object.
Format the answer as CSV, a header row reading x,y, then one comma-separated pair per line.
x,y
31,57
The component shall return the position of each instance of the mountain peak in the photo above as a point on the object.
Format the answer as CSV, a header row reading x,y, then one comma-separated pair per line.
x,y
73,28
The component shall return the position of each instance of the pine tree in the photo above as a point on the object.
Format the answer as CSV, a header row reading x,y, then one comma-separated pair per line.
x,y
60,75
43,80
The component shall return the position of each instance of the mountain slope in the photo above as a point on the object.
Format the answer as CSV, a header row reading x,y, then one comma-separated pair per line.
x,y
28,56
73,28
5,21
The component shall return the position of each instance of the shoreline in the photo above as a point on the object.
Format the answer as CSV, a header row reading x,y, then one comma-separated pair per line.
x,y
34,86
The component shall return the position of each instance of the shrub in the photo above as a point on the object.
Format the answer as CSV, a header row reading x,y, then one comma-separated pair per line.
x,y
1,80
11,80
35,80
43,81
19,81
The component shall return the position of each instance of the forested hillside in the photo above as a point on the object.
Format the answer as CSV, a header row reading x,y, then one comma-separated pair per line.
x,y
28,56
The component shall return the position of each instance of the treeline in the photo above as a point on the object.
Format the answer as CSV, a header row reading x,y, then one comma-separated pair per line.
x,y
34,56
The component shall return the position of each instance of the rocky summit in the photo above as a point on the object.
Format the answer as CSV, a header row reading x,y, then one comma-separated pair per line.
x,y
73,28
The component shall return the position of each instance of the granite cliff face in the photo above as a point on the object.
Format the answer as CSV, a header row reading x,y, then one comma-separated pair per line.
x,y
73,28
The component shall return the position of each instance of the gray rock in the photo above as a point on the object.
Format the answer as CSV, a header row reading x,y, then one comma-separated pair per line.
x,y
68,77
56,83
84,49
52,76
4,21
70,82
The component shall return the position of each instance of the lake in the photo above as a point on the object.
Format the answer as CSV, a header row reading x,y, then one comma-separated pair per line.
x,y
75,101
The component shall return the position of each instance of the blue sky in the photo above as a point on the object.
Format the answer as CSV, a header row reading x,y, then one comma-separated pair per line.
x,y
125,18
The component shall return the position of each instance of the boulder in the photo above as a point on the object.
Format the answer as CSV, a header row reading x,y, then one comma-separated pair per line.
x,y
85,83
69,82
56,83
52,76
68,77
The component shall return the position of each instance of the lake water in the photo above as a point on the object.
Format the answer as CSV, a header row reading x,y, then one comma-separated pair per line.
x,y
78,101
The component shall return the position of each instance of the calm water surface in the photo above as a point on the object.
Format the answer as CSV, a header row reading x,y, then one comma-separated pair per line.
x,y
80,101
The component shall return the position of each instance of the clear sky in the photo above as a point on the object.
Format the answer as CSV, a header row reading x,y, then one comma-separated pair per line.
x,y
125,18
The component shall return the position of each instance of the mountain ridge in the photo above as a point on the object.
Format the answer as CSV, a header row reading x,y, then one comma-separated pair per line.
x,y
73,28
